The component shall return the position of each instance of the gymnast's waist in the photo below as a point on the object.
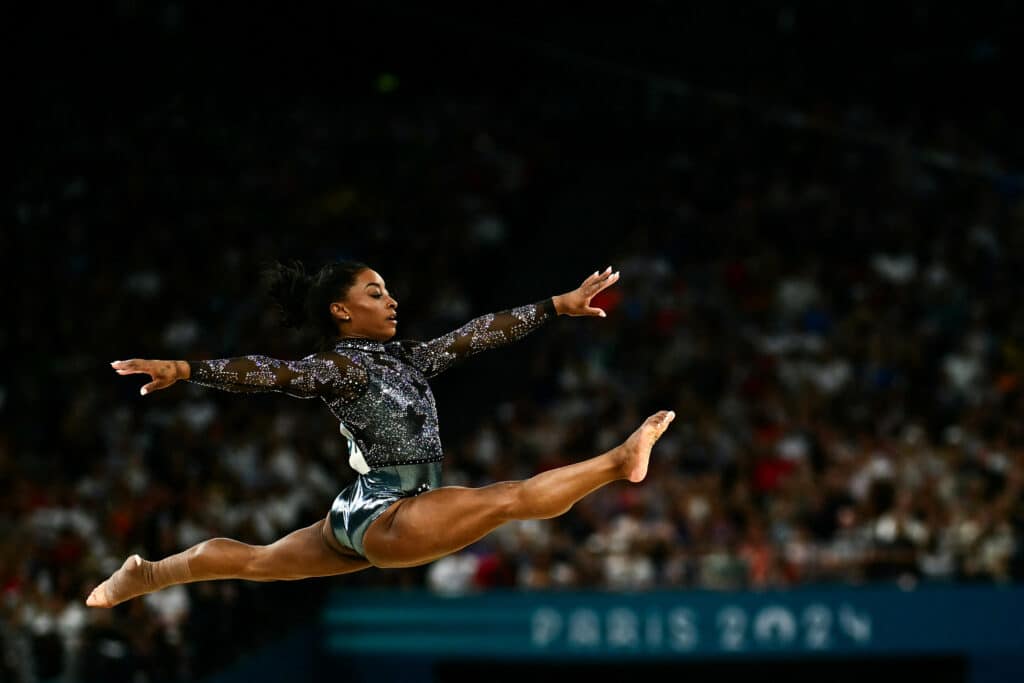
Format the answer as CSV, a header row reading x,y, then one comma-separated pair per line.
x,y
409,479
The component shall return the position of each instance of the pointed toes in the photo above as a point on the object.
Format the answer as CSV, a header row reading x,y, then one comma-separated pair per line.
x,y
98,597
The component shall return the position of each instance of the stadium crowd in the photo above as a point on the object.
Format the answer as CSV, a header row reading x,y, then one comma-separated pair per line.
x,y
837,325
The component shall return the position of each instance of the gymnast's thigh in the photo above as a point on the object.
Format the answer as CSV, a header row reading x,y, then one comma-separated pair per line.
x,y
423,528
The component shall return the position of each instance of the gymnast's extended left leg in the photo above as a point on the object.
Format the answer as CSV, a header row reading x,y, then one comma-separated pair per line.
x,y
424,528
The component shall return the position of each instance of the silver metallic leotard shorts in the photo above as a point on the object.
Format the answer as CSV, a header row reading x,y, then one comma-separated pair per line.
x,y
366,499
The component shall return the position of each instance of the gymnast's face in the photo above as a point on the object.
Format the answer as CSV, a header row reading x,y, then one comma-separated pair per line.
x,y
367,311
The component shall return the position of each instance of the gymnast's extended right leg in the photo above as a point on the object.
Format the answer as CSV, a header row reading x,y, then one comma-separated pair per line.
x,y
306,553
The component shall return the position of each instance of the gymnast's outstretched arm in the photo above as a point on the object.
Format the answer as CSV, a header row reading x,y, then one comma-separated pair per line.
x,y
495,330
321,374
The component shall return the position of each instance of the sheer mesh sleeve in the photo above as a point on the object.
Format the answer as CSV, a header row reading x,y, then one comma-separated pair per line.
x,y
489,331
321,374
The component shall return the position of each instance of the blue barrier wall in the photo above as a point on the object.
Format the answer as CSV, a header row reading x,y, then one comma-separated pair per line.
x,y
982,623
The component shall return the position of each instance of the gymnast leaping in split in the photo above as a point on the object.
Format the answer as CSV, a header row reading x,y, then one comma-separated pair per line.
x,y
396,513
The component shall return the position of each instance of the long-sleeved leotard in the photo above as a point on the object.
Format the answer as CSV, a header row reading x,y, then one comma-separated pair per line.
x,y
378,390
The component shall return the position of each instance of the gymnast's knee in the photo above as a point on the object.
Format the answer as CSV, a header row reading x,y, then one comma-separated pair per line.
x,y
228,558
518,500
262,564
511,502
528,502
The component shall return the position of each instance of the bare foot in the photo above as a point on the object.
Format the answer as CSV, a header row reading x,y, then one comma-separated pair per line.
x,y
130,581
637,447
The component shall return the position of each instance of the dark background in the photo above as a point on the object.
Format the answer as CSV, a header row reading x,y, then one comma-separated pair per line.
x,y
188,143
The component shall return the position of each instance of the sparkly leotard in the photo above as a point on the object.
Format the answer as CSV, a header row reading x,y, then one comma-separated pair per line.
x,y
379,393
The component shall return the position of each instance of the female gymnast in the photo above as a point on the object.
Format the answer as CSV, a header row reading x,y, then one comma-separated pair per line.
x,y
396,513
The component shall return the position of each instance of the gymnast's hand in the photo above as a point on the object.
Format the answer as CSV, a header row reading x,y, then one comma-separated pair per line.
x,y
577,302
164,373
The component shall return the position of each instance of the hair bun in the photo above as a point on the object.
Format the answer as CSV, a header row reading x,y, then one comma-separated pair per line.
x,y
289,285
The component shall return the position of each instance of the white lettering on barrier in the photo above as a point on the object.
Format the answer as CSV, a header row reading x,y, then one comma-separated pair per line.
x,y
738,629
682,625
623,628
545,626
857,626
654,632
817,620
732,627
584,628
775,625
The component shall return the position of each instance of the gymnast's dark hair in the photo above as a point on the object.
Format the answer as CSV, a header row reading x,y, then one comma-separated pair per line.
x,y
305,299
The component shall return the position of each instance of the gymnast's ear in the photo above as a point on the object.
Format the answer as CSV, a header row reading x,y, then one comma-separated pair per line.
x,y
339,312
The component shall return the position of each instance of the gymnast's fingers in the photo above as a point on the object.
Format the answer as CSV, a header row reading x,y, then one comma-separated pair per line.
x,y
129,367
153,386
598,276
608,281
